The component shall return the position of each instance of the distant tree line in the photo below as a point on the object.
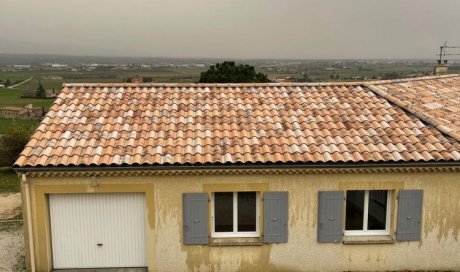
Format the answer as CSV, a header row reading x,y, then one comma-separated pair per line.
x,y
229,72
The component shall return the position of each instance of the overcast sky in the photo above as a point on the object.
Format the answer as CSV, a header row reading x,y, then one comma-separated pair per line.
x,y
230,28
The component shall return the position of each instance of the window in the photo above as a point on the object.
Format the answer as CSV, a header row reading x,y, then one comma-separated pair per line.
x,y
235,214
367,212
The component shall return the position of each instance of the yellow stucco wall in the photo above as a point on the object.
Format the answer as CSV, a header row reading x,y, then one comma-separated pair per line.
x,y
439,248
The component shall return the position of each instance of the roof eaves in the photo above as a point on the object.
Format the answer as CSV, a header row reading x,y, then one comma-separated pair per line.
x,y
240,166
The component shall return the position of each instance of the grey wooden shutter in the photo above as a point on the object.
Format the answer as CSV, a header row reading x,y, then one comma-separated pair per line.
x,y
330,216
276,217
195,218
409,215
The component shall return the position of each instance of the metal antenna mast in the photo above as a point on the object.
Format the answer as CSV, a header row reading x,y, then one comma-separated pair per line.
x,y
443,52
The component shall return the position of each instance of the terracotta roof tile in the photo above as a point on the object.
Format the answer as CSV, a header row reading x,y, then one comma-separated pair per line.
x,y
436,100
150,124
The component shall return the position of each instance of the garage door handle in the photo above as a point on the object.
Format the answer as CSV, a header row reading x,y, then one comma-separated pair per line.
x,y
196,221
99,245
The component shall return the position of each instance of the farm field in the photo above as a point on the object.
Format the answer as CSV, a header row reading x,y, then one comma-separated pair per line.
x,y
296,71
55,78
12,97
51,79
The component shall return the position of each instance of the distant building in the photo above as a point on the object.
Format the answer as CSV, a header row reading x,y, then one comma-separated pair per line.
x,y
26,112
440,68
137,79
12,112
58,65
51,93
22,66
284,79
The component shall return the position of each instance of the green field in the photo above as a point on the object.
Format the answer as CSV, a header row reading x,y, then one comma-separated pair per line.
x,y
12,97
5,123
51,79
66,76
353,73
9,181
315,71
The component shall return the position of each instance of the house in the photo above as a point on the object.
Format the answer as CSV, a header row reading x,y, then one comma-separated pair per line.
x,y
137,79
26,112
250,177
12,112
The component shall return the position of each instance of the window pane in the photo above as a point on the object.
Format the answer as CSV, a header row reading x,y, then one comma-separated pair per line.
x,y
223,212
247,211
355,210
377,210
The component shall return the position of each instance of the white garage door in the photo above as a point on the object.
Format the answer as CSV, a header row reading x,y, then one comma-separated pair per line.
x,y
98,230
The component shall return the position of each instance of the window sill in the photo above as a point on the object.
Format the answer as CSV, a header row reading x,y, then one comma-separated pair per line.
x,y
368,240
236,241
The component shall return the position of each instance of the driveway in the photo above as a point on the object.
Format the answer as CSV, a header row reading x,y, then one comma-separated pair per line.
x,y
11,233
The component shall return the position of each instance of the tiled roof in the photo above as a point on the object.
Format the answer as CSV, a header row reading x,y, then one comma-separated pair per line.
x,y
435,100
159,124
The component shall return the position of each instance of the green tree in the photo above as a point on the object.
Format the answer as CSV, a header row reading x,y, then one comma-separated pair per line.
x,y
13,140
147,79
228,72
7,82
41,93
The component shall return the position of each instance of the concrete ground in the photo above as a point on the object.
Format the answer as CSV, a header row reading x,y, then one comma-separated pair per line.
x,y
11,233
10,205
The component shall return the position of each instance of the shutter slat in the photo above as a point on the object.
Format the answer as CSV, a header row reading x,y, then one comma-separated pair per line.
x,y
276,217
409,215
195,218
330,216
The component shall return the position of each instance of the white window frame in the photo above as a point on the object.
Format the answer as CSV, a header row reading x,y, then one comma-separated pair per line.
x,y
365,231
235,232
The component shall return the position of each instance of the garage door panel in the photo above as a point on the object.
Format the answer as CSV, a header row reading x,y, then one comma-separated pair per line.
x,y
79,222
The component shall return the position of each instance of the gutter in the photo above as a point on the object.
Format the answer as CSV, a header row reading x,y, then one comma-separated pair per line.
x,y
29,221
234,166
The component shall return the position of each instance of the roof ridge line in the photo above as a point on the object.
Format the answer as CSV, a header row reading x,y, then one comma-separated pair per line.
x,y
271,84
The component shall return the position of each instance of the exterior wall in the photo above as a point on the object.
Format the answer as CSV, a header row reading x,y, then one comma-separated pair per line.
x,y
23,113
12,113
440,69
438,249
